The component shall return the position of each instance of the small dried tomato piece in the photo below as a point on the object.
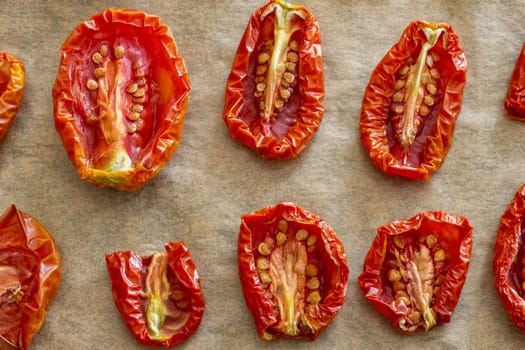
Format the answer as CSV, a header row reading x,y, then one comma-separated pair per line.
x,y
514,102
29,277
509,259
159,296
275,91
293,271
412,101
120,97
12,83
416,268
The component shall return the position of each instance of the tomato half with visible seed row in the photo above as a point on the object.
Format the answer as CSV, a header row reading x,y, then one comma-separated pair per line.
x,y
514,102
412,101
416,268
293,271
30,271
275,91
159,296
12,83
120,98
509,259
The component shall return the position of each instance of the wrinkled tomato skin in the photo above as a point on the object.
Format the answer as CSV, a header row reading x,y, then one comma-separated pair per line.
x,y
12,84
454,235
127,272
301,115
30,271
255,228
508,259
434,134
120,114
514,102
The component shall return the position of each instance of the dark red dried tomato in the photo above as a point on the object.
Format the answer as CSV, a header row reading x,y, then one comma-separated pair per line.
x,y
514,102
412,101
416,268
293,271
275,91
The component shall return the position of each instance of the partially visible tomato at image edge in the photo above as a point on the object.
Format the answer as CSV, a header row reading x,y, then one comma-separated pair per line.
x,y
120,97
293,271
275,90
12,85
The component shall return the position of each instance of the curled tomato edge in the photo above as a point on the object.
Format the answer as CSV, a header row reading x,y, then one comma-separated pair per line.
x,y
310,113
255,297
41,243
505,250
126,295
167,139
11,98
370,280
374,114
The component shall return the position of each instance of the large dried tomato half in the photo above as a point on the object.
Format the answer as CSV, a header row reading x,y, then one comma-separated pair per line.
x,y
159,296
120,97
275,91
412,101
514,102
293,271
29,278
416,268
12,82
509,259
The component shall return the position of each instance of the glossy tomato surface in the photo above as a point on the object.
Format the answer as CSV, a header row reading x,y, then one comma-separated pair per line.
x,y
416,268
412,101
514,102
29,277
120,98
159,296
12,84
509,259
275,91
293,271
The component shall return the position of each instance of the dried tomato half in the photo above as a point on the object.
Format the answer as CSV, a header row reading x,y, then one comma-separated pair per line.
x,y
293,271
514,102
12,83
159,296
509,259
412,101
120,98
29,277
416,268
275,91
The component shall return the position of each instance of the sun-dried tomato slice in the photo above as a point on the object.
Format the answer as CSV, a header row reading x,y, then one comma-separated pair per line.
x,y
412,101
416,268
293,271
12,83
275,91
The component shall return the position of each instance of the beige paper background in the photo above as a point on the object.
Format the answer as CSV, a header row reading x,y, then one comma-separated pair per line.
x,y
212,180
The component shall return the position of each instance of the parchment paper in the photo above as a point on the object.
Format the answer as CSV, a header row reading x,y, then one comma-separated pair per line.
x,y
211,180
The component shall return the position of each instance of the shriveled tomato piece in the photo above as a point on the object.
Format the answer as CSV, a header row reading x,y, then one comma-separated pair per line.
x,y
29,277
275,91
412,101
416,268
159,296
12,83
293,271
120,97
509,259
514,102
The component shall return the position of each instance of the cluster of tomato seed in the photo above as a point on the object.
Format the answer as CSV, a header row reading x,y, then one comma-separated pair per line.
x,y
287,78
311,269
426,90
136,89
427,257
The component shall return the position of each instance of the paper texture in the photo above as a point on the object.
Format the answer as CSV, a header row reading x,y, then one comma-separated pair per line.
x,y
211,180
